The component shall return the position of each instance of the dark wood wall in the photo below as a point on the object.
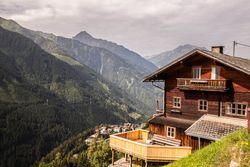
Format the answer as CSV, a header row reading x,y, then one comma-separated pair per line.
x,y
240,90
180,134
158,129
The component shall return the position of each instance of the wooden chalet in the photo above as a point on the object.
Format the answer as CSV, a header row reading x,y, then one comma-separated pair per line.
x,y
206,96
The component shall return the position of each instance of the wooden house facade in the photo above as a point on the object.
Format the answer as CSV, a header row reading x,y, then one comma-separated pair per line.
x,y
206,96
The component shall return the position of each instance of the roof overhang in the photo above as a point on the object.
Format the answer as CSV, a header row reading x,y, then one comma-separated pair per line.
x,y
155,76
211,131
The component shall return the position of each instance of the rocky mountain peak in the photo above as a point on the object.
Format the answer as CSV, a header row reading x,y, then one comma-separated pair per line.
x,y
83,35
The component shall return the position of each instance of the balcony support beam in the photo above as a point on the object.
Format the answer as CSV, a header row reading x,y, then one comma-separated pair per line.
x,y
130,160
165,99
113,156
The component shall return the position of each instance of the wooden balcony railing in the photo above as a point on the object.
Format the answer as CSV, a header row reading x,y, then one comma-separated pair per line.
x,y
203,84
134,143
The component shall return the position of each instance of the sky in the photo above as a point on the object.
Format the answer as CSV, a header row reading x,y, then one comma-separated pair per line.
x,y
147,27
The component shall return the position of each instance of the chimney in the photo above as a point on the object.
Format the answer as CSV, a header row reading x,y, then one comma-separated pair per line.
x,y
217,49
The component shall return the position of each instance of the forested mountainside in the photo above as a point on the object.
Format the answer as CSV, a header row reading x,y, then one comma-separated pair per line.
x,y
74,152
120,70
167,57
44,100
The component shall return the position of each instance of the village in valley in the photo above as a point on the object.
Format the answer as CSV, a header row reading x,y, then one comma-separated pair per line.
x,y
103,131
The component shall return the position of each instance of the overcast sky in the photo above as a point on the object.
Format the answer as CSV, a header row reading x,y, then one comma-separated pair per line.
x,y
144,26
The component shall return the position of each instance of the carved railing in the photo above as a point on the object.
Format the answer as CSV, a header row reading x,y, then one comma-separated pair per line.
x,y
202,84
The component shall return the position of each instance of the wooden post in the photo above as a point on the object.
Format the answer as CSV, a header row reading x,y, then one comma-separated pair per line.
x,y
199,143
113,156
126,157
146,163
248,121
130,163
165,100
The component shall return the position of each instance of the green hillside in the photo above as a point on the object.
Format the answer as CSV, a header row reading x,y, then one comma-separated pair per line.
x,y
234,147
44,101
75,152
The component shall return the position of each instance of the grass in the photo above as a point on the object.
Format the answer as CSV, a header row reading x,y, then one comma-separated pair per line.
x,y
234,147
67,59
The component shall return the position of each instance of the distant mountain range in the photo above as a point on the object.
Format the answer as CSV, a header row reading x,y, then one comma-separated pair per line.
x,y
120,66
167,57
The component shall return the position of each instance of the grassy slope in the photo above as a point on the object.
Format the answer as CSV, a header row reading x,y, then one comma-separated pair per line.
x,y
235,147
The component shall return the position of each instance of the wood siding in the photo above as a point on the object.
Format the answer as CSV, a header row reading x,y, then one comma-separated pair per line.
x,y
240,89
179,134
158,129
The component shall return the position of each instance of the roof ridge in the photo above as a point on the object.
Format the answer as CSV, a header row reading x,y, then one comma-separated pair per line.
x,y
238,63
237,57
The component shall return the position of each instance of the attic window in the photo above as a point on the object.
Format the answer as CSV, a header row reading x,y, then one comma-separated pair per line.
x,y
196,72
215,72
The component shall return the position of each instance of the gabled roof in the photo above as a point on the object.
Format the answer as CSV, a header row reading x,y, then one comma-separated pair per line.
x,y
213,127
237,63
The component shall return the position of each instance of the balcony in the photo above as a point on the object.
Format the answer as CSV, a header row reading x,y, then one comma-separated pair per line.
x,y
135,143
220,85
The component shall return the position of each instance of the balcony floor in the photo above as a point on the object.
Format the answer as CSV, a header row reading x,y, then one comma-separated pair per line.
x,y
134,143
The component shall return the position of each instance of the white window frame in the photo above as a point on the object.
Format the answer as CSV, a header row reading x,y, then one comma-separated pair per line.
x,y
194,73
171,131
203,105
175,102
230,106
215,72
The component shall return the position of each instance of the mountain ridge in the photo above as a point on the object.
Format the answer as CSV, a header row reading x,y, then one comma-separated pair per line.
x,y
131,56
167,57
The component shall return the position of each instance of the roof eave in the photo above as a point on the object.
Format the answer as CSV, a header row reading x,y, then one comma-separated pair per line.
x,y
150,77
154,74
201,136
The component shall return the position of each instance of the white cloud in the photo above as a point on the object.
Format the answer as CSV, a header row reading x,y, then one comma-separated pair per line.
x,y
33,14
146,26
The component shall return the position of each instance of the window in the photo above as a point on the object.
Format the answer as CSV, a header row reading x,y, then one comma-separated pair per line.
x,y
202,105
197,72
170,131
176,102
236,108
215,73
